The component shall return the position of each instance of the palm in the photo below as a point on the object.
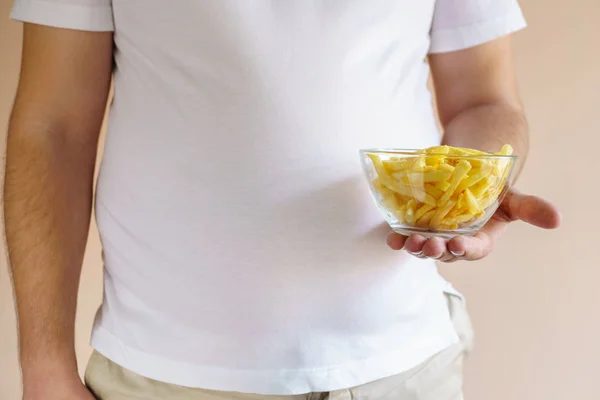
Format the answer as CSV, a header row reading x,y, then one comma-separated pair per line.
x,y
530,209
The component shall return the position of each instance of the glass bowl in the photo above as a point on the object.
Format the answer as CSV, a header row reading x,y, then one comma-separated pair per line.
x,y
441,191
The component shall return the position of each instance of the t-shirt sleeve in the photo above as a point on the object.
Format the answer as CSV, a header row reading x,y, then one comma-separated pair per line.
x,y
86,15
460,24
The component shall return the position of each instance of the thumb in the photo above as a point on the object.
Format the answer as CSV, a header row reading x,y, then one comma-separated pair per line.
x,y
531,209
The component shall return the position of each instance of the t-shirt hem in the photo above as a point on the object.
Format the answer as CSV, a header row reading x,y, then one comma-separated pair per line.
x,y
464,37
68,16
269,382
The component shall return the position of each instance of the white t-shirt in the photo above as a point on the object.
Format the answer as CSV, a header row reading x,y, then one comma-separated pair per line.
x,y
242,249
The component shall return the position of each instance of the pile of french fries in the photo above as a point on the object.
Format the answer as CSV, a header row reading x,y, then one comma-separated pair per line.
x,y
441,187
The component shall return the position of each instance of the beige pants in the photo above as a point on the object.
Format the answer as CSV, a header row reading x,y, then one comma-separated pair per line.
x,y
438,378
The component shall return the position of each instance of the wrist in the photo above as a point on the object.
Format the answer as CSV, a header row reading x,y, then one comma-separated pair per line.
x,y
48,371
70,388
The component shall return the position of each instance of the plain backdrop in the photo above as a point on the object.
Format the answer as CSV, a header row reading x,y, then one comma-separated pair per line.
x,y
536,301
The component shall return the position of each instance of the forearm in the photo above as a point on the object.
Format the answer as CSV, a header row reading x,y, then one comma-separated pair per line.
x,y
47,205
488,127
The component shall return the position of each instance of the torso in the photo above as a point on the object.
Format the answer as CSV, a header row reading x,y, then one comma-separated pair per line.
x,y
238,230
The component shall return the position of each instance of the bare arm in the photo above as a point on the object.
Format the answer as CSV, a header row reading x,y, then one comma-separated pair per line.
x,y
51,151
478,100
479,107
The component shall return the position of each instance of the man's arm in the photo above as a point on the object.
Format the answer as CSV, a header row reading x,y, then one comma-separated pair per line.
x,y
478,100
479,107
51,152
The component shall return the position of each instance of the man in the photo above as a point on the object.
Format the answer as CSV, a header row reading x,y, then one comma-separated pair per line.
x,y
244,258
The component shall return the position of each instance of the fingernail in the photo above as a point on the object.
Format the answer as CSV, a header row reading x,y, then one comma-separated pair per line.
x,y
436,257
415,254
457,253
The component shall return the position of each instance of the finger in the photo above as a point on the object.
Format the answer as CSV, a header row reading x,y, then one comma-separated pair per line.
x,y
435,248
414,245
396,241
471,248
476,247
531,209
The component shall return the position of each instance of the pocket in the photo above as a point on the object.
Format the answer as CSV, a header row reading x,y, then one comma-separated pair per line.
x,y
91,364
461,320
90,377
107,380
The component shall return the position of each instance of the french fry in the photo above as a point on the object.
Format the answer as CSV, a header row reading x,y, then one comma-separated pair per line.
x,y
476,175
443,186
455,212
435,160
397,164
459,219
507,150
459,202
423,168
471,202
501,164
461,151
400,213
431,176
438,149
460,172
388,199
450,227
401,177
425,220
424,197
434,190
488,201
419,163
482,187
424,209
491,197
410,211
446,167
441,212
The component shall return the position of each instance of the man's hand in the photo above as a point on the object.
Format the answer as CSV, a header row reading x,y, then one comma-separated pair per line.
x,y
58,389
516,206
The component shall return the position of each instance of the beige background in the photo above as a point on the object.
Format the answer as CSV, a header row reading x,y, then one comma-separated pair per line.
x,y
535,301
